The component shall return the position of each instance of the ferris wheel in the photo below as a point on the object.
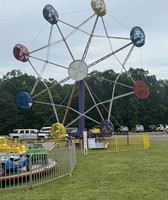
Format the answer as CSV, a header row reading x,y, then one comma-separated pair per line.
x,y
78,69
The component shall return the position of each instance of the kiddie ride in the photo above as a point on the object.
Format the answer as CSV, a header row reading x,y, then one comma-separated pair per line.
x,y
17,160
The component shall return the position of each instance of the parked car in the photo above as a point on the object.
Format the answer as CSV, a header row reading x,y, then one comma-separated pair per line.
x,y
123,130
166,128
160,127
45,132
69,129
11,162
28,134
152,128
74,134
45,129
138,129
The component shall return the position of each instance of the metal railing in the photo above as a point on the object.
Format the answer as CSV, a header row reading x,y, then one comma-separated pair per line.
x,y
56,160
114,144
36,168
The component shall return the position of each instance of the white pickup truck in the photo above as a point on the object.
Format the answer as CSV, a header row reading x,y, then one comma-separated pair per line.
x,y
28,134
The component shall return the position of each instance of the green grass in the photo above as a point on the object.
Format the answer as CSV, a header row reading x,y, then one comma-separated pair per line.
x,y
132,175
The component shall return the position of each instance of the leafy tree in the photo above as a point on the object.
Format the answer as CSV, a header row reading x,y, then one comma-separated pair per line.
x,y
126,111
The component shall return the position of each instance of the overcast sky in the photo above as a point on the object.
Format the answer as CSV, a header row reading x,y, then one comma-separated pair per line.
x,y
22,22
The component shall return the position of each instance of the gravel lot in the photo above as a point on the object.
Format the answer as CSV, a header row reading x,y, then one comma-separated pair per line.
x,y
158,137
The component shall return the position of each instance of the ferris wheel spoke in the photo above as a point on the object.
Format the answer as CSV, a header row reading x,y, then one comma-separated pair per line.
x,y
123,95
114,87
39,49
63,106
83,115
52,101
70,34
69,102
116,80
46,46
66,37
108,80
52,63
50,97
109,55
111,102
56,105
98,104
111,37
50,35
123,65
123,68
126,59
48,52
93,100
78,27
53,86
105,29
44,67
116,97
91,108
48,49
105,108
65,42
37,80
90,39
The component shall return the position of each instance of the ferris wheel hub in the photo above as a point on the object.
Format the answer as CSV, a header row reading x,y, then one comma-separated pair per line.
x,y
78,70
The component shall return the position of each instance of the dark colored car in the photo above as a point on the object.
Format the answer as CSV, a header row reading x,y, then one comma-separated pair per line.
x,y
123,130
152,128
74,134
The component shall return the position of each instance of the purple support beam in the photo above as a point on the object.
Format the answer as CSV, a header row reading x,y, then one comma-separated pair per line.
x,y
81,104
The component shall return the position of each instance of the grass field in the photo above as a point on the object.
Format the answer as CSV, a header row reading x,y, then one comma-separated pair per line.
x,y
132,175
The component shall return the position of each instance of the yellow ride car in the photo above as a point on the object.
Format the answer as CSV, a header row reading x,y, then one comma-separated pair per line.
x,y
95,130
7,146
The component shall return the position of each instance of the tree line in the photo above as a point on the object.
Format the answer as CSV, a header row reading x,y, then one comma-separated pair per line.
x,y
128,110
